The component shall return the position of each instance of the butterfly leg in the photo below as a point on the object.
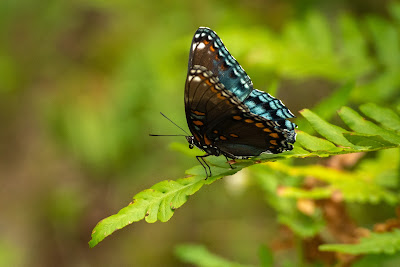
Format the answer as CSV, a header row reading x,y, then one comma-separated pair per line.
x,y
227,160
204,164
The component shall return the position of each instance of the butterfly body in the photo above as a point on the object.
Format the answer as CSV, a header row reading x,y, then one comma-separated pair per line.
x,y
225,114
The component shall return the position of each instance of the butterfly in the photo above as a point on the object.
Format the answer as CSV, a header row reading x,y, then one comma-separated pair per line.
x,y
225,114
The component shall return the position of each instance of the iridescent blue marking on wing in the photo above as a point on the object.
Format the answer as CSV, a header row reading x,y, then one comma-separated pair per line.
x,y
209,51
269,107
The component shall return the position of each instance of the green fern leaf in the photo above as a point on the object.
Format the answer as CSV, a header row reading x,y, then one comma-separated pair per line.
x,y
313,143
360,125
376,243
331,132
198,255
338,180
158,202
369,141
386,116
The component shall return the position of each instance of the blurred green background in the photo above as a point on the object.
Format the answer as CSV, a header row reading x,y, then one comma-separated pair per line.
x,y
81,87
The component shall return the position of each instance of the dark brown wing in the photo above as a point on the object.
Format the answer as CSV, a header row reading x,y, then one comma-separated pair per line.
x,y
216,117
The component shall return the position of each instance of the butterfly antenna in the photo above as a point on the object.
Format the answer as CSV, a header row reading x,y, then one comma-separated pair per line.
x,y
175,124
167,135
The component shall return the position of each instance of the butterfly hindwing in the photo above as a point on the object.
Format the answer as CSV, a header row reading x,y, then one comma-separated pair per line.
x,y
271,108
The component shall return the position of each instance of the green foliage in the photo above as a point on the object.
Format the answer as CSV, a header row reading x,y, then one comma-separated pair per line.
x,y
160,201
200,256
270,181
81,86
338,140
266,256
368,188
103,136
291,57
382,260
388,118
157,203
376,243
339,53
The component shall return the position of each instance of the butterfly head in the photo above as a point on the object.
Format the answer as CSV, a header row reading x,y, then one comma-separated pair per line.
x,y
191,141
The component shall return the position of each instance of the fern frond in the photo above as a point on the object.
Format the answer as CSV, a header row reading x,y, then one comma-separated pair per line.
x,y
338,180
160,201
376,243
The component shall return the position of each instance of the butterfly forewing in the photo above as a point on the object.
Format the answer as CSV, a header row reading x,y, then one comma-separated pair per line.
x,y
208,50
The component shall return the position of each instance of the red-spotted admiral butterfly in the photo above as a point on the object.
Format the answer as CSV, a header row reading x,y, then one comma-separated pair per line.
x,y
225,114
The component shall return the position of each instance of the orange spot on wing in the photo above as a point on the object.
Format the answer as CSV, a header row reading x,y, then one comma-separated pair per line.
x,y
208,82
267,130
273,142
274,135
199,123
220,96
207,141
213,89
215,131
234,135
222,137
237,118
198,113
259,125
206,42
212,49
248,121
